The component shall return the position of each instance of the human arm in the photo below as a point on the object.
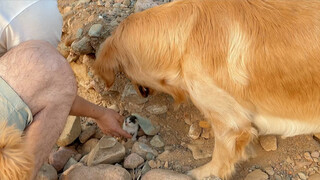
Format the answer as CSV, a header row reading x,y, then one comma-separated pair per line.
x,y
108,120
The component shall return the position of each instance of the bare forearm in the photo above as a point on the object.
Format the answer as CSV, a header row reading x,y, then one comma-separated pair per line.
x,y
82,107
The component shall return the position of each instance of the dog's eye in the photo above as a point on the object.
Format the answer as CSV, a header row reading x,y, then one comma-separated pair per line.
x,y
144,91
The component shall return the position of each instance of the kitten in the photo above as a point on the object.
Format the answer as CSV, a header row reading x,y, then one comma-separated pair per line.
x,y
131,125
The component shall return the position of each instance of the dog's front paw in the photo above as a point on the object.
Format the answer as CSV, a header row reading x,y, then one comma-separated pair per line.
x,y
203,172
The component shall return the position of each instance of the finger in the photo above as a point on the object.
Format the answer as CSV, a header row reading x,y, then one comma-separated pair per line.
x,y
124,133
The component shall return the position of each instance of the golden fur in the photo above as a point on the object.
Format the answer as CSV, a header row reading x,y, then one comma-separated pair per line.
x,y
250,66
15,162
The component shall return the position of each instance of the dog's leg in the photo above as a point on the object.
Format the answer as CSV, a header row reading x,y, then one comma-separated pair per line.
x,y
231,124
230,147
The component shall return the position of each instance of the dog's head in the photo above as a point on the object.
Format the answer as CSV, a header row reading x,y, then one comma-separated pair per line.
x,y
148,62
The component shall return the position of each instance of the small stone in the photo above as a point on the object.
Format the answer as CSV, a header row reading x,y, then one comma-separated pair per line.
x,y
83,46
157,141
106,152
89,145
315,154
126,3
115,108
59,158
257,175
95,30
133,161
147,126
47,172
77,157
268,143
302,176
141,5
161,174
269,170
70,162
166,165
157,109
86,134
71,131
142,149
307,156
107,142
145,168
200,152
194,131
150,156
205,133
79,33
314,177
101,171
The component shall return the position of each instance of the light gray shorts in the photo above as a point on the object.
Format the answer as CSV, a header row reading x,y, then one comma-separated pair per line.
x,y
12,108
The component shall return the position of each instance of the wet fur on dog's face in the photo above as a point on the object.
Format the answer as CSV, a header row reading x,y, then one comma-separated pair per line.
x,y
249,66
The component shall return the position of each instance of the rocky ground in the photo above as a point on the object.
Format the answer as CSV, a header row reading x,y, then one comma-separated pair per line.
x,y
171,142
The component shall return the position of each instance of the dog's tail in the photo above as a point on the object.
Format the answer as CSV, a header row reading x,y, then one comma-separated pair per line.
x,y
15,161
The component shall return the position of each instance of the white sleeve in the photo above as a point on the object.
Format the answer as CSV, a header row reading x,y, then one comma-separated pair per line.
x,y
40,21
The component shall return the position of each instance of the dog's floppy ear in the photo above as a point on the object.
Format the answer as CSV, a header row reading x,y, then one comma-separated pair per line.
x,y
106,63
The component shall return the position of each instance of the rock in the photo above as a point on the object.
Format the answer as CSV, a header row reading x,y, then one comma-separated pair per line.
x,y
79,33
269,170
157,109
86,134
83,46
141,5
147,126
145,168
161,174
114,107
302,176
154,164
206,133
211,178
89,145
257,175
315,154
70,162
101,171
200,152
106,152
194,131
133,161
59,158
128,91
157,141
314,177
268,143
95,30
47,172
150,156
307,156
126,3
71,131
142,149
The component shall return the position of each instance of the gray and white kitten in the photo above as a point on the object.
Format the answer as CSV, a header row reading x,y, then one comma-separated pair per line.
x,y
131,125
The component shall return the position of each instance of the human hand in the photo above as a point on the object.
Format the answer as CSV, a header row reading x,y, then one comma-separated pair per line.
x,y
110,123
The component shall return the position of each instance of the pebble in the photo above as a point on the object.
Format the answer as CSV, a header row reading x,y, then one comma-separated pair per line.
x,y
161,174
59,158
86,134
269,170
314,177
157,109
101,171
307,156
194,131
315,154
157,141
71,131
95,30
147,126
47,172
268,143
257,175
302,176
144,4
133,161
82,46
142,149
145,168
89,145
79,33
200,152
104,153
70,162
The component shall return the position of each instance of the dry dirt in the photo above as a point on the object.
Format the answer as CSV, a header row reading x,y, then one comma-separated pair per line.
x,y
174,128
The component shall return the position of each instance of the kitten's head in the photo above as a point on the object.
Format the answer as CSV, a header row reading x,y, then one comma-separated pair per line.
x,y
131,121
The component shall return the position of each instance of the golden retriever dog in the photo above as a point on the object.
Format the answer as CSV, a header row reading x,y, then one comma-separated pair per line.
x,y
252,67
15,162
